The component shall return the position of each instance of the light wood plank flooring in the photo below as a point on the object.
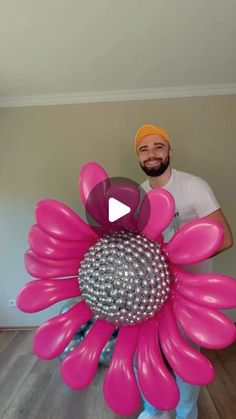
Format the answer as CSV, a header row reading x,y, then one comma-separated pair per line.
x,y
33,389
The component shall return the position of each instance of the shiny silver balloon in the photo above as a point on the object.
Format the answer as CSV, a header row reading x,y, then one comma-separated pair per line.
x,y
107,351
124,278
75,341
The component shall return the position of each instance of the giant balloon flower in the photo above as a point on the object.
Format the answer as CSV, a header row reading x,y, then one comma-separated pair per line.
x,y
127,277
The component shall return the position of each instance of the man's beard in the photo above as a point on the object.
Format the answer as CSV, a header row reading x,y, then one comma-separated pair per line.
x,y
156,171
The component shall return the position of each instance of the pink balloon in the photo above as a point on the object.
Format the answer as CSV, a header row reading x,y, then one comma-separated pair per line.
x,y
157,384
59,221
53,336
211,290
156,212
47,268
205,326
195,241
186,361
39,294
79,368
52,248
91,174
93,185
95,191
120,388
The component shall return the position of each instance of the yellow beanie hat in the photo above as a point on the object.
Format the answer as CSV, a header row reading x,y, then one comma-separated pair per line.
x,y
149,130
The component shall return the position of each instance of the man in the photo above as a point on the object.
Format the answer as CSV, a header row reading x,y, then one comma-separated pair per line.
x,y
193,199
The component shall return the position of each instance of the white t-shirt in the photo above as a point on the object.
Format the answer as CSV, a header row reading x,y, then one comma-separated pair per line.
x,y
194,198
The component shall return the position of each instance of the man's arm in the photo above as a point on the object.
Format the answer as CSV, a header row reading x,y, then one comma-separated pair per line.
x,y
228,237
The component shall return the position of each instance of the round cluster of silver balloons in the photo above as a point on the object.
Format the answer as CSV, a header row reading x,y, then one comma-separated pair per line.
x,y
124,278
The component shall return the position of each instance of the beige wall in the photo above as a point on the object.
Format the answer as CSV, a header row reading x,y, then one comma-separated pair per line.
x,y
42,149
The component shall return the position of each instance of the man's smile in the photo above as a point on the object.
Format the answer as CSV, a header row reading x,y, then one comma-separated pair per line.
x,y
153,163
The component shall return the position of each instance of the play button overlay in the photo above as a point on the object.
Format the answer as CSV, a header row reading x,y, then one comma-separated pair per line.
x,y
114,204
116,209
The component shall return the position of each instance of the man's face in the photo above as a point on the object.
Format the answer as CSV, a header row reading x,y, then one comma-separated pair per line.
x,y
154,155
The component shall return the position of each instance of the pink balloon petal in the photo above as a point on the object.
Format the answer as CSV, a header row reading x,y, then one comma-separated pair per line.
x,y
38,266
156,212
39,294
157,384
195,241
52,248
93,184
211,290
59,221
205,326
120,388
95,191
186,361
79,367
91,174
53,336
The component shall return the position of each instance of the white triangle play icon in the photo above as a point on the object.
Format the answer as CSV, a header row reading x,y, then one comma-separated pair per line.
x,y
116,209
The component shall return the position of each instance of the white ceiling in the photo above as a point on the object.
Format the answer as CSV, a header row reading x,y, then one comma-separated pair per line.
x,y
83,48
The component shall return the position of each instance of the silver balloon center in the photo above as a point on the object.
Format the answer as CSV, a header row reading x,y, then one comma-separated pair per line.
x,y
124,278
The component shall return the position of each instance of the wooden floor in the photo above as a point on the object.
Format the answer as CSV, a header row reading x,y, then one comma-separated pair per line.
x,y
33,389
